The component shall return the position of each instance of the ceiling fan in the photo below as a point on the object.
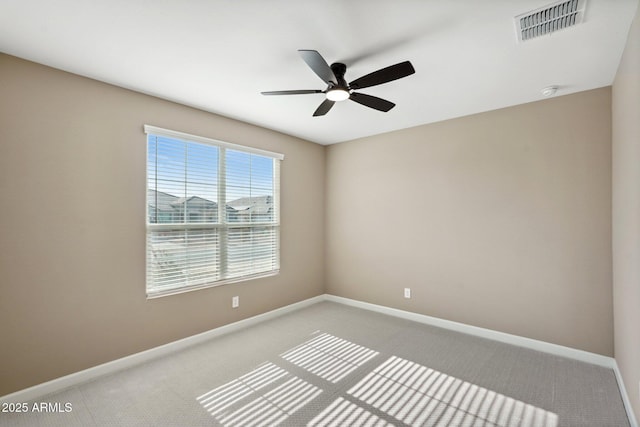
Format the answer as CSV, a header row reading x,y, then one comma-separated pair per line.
x,y
339,90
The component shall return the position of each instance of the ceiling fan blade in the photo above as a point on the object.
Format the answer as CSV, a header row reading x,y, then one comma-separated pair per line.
x,y
384,75
372,102
323,108
316,62
291,92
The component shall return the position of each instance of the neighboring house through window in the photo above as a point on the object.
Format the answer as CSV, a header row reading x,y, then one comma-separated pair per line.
x,y
212,212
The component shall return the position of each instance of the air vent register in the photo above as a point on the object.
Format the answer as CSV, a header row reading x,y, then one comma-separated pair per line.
x,y
549,19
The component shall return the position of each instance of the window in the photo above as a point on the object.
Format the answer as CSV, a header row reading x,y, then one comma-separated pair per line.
x,y
212,212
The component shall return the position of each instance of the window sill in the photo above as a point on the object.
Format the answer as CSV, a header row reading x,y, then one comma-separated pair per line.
x,y
169,292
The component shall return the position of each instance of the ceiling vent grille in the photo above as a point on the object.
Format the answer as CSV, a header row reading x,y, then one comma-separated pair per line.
x,y
549,19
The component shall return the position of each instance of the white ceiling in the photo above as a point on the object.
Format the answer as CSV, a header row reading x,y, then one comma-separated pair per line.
x,y
217,55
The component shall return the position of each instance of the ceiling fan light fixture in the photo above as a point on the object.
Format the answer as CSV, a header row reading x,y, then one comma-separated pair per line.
x,y
337,94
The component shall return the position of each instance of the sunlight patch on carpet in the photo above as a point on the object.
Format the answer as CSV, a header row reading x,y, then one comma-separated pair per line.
x,y
265,396
417,395
329,357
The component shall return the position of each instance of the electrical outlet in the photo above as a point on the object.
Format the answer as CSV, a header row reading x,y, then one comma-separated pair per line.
x,y
235,302
407,292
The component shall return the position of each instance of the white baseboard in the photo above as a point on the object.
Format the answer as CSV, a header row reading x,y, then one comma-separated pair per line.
x,y
625,396
58,384
558,350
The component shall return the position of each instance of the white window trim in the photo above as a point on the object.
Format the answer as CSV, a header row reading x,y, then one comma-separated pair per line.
x,y
148,129
157,131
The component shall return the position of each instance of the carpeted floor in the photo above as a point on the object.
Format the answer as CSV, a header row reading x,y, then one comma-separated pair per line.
x,y
333,365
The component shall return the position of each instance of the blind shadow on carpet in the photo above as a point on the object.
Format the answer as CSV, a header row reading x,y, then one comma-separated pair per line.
x,y
330,381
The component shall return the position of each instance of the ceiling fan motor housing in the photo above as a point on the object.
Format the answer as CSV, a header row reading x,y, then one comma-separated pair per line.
x,y
339,69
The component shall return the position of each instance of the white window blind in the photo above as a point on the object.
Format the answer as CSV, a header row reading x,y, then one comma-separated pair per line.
x,y
212,212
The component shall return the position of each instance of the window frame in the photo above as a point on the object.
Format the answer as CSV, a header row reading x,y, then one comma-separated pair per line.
x,y
223,225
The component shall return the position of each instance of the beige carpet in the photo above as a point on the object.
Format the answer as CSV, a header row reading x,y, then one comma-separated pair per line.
x,y
333,365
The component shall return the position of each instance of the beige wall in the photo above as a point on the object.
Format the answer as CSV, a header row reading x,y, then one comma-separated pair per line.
x,y
500,220
72,227
626,214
